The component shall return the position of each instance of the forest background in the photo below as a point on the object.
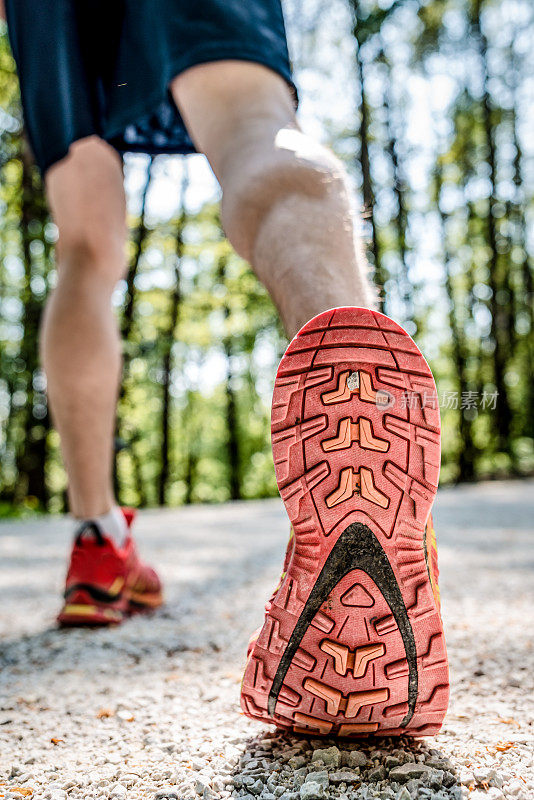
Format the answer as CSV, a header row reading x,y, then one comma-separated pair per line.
x,y
431,107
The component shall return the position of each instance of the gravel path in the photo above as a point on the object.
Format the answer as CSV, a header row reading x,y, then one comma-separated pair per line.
x,y
150,710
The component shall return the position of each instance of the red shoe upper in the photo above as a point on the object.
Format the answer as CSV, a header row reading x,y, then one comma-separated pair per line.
x,y
97,561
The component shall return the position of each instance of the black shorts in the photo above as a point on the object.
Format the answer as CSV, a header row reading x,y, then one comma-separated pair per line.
x,y
104,66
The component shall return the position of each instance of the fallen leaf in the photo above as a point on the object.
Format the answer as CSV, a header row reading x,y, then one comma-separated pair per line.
x,y
500,747
509,721
25,792
105,712
56,741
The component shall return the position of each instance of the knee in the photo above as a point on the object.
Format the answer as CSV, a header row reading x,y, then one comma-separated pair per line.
x,y
89,255
265,175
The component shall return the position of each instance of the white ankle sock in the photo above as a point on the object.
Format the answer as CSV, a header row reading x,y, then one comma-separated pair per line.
x,y
113,524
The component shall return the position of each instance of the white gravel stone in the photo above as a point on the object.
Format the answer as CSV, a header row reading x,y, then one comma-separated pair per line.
x,y
344,776
357,759
483,774
201,784
330,756
466,777
515,788
152,706
408,771
318,777
311,790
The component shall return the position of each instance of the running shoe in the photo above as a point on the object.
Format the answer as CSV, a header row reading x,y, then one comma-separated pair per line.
x,y
106,583
352,642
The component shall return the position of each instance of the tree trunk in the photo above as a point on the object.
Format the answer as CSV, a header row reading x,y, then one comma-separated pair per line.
x,y
191,453
31,458
142,501
233,438
364,163
498,316
401,220
467,453
232,442
525,268
138,240
168,342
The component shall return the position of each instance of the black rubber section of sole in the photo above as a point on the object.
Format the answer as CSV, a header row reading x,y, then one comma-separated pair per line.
x,y
356,548
100,595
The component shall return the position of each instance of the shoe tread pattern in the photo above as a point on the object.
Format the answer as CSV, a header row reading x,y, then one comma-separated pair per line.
x,y
353,379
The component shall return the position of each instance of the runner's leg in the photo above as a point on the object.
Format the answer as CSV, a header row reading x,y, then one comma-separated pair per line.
x,y
285,205
80,344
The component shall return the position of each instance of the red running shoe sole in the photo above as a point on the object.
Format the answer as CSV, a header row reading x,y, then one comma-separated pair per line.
x,y
84,610
353,642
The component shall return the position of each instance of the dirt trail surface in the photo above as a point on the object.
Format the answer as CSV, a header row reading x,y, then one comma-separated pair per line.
x,y
150,709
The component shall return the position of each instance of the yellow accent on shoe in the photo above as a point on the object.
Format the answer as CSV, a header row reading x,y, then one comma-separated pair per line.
x,y
80,610
116,586
145,599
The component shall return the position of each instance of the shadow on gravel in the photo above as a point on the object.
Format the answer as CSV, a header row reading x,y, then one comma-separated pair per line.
x,y
292,768
165,632
91,648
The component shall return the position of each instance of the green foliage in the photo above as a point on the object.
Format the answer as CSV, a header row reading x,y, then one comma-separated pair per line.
x,y
224,317
479,328
201,337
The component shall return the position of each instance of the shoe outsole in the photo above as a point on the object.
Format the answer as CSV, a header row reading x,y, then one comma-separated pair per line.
x,y
84,611
353,642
